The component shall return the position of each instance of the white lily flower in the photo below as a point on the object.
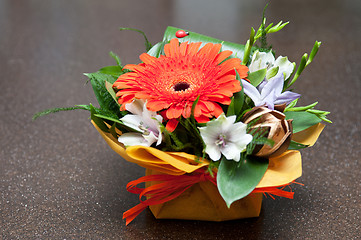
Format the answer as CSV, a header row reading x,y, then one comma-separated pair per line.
x,y
145,122
224,136
262,60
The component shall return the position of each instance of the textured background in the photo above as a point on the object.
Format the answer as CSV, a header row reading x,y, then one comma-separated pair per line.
x,y
58,178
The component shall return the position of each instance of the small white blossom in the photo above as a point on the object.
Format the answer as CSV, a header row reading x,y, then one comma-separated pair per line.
x,y
224,136
262,60
145,122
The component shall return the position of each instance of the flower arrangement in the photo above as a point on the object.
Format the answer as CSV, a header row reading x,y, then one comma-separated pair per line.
x,y
214,123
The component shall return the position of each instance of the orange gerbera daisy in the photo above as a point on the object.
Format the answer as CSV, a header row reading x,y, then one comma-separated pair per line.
x,y
174,81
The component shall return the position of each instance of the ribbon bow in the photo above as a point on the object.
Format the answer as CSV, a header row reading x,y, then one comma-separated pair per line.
x,y
172,186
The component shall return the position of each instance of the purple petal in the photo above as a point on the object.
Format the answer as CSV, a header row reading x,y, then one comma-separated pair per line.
x,y
251,91
261,85
270,99
275,85
286,97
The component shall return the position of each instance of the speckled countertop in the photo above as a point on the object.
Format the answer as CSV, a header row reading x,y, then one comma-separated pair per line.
x,y
59,179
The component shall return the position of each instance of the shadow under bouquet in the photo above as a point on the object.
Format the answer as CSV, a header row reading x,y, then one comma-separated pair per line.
x,y
214,123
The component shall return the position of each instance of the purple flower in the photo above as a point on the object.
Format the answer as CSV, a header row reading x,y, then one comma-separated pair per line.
x,y
269,93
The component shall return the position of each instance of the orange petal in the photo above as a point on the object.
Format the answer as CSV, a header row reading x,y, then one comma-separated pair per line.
x,y
183,48
172,124
155,105
174,112
217,110
187,111
202,119
146,58
222,56
193,48
174,47
205,49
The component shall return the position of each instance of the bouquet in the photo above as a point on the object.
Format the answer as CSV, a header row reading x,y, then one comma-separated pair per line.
x,y
214,123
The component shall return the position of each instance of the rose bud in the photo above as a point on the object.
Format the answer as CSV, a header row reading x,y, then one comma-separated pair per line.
x,y
274,126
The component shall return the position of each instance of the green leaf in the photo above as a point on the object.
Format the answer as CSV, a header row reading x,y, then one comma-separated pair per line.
x,y
302,120
237,49
98,121
108,118
115,120
113,131
278,27
300,68
55,110
272,72
111,91
98,110
237,180
291,105
156,50
302,109
147,44
257,77
230,110
313,53
194,106
114,71
105,100
238,98
116,58
296,146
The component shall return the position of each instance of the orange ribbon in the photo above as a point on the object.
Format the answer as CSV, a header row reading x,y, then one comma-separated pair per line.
x,y
171,186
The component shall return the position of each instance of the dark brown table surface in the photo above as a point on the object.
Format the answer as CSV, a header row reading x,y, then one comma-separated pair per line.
x,y
59,179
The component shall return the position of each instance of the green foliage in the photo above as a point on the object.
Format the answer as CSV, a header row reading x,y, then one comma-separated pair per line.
x,y
147,44
291,105
230,110
237,49
193,107
263,38
310,109
302,120
305,61
238,98
105,99
296,146
116,58
97,120
113,131
55,110
235,180
185,138
261,33
98,110
320,114
257,77
157,50
111,91
114,71
272,72
299,109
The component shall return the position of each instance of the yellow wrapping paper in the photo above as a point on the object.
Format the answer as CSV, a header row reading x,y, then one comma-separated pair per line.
x,y
173,163
202,201
310,135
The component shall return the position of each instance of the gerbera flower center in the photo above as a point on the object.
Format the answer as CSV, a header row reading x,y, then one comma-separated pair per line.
x,y
181,86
